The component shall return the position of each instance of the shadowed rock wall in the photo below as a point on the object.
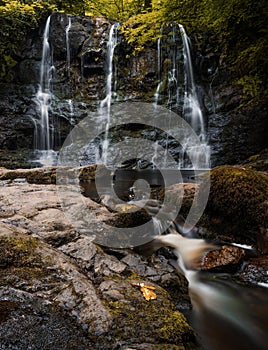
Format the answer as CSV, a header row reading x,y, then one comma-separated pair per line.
x,y
78,87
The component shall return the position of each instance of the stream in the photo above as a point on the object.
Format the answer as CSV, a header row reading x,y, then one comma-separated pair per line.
x,y
226,315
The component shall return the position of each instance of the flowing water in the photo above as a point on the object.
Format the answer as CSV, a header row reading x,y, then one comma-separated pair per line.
x,y
44,130
46,137
68,52
105,105
226,315
191,108
178,91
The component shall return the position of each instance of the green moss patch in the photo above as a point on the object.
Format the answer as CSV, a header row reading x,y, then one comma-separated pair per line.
x,y
238,201
155,321
18,251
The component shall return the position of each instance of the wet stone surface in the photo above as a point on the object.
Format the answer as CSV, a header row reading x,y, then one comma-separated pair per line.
x,y
61,291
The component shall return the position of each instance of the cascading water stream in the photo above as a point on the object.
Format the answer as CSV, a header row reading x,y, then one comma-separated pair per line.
x,y
159,60
105,105
43,137
221,307
68,52
177,89
226,315
44,130
191,108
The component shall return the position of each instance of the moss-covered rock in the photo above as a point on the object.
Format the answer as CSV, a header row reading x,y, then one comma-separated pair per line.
x,y
14,159
237,204
46,175
99,294
88,172
140,321
18,252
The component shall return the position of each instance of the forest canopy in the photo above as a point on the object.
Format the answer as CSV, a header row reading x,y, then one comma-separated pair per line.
x,y
235,29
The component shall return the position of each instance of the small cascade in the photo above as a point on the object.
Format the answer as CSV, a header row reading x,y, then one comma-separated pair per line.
x,y
71,111
43,135
44,131
68,52
105,105
177,90
221,307
168,57
155,154
47,136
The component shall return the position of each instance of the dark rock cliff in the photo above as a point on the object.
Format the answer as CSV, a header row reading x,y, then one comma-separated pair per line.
x,y
236,130
78,86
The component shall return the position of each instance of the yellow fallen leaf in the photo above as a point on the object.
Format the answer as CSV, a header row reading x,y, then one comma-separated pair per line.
x,y
147,291
128,207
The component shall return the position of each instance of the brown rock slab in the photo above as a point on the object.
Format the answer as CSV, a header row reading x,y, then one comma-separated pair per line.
x,y
225,256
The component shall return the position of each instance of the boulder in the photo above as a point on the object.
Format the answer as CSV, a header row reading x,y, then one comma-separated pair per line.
x,y
227,257
237,207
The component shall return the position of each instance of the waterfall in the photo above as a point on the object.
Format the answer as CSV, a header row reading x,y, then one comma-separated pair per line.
x,y
192,110
44,130
159,59
177,90
68,53
46,137
105,105
43,136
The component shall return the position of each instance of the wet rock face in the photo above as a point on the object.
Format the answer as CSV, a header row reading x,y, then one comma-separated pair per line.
x,y
236,130
255,270
15,132
79,74
233,134
237,134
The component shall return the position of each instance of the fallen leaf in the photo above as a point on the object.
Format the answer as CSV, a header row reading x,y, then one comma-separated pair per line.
x,y
147,291
127,207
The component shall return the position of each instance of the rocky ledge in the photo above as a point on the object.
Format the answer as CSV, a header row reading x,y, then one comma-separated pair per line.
x,y
60,290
